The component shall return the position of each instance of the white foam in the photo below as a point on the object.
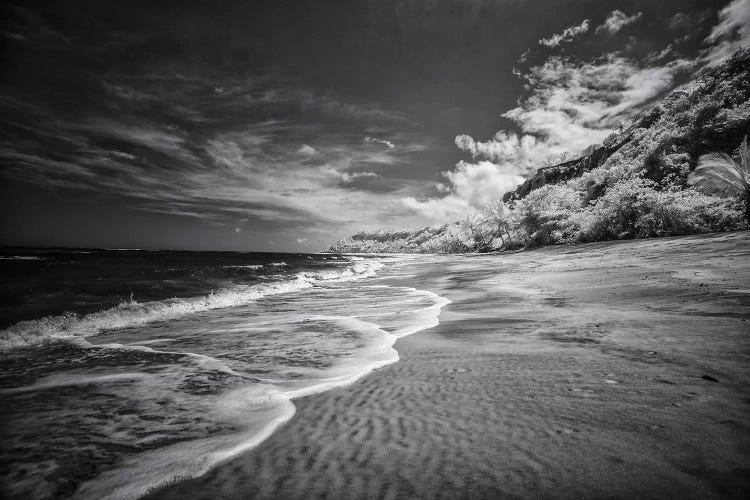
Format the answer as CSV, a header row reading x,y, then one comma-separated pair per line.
x,y
21,257
133,313
261,407
378,354
258,409
427,317
142,473
206,362
68,379
357,270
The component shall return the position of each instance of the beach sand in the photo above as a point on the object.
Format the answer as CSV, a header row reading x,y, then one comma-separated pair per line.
x,y
606,370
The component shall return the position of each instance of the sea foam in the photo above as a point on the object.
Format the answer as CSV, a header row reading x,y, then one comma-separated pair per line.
x,y
269,403
247,369
133,313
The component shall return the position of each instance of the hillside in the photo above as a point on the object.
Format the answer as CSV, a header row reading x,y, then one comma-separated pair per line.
x,y
634,185
430,239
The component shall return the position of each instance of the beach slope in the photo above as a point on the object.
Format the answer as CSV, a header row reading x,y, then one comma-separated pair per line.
x,y
605,370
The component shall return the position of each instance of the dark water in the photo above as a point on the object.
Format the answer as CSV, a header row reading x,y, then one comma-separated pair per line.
x,y
123,370
40,282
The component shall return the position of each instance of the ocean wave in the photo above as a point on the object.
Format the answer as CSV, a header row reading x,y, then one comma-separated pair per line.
x,y
133,313
364,269
270,402
279,264
251,266
21,257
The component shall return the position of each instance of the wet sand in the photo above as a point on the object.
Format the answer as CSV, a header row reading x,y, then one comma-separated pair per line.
x,y
607,370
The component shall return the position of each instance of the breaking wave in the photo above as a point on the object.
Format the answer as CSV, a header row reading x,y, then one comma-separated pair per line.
x,y
133,313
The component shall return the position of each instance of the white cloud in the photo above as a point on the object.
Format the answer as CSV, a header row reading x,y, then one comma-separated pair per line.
x,y
472,185
307,150
442,210
479,183
568,34
334,106
655,56
572,105
122,155
169,141
380,141
522,152
731,33
616,20
343,176
349,177
228,154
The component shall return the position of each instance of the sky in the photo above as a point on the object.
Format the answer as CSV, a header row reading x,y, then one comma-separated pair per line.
x,y
286,125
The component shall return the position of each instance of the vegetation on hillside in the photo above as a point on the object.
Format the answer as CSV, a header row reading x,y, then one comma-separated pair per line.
x,y
678,168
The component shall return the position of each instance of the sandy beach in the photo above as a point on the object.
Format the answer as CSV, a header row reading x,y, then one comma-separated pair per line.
x,y
605,370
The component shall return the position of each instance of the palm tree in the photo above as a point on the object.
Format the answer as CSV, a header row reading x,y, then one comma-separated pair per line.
x,y
718,174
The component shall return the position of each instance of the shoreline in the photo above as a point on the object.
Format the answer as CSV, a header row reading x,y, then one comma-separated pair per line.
x,y
136,476
564,372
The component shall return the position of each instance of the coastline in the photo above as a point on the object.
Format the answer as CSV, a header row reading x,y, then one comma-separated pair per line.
x,y
556,373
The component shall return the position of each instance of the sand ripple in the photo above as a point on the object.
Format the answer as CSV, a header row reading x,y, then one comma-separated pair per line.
x,y
581,379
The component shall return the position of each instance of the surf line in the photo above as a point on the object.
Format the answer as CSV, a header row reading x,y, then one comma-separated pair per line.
x,y
168,465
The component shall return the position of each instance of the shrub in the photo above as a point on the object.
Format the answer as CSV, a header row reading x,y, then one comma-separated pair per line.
x,y
544,214
635,208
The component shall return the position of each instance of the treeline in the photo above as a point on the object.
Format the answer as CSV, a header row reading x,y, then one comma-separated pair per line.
x,y
646,185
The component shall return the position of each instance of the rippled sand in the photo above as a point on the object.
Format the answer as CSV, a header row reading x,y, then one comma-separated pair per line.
x,y
566,372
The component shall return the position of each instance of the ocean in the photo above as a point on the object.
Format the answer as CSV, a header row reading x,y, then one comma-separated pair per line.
x,y
124,370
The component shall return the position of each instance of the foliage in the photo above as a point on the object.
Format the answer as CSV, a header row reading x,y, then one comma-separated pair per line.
x,y
637,208
718,174
543,211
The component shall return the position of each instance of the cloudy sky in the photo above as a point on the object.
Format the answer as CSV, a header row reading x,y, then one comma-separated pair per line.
x,y
284,125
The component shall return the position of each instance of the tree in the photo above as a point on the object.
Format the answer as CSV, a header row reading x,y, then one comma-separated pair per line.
x,y
500,217
717,174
